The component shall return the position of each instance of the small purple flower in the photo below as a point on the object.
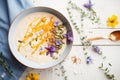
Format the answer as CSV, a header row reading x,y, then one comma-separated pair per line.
x,y
51,49
65,35
70,39
97,49
40,49
56,23
57,42
89,60
69,36
41,31
88,5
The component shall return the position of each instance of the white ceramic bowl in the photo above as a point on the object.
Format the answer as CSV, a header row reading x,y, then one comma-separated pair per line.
x,y
13,47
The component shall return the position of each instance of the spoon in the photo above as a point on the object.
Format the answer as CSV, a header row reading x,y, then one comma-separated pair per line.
x,y
113,36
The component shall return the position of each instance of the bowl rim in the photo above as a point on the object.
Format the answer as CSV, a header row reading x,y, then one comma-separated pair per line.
x,y
25,10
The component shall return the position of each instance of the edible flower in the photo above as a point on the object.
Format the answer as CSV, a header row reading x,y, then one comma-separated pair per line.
x,y
112,21
88,5
57,42
32,76
51,49
69,36
56,23
97,49
40,49
89,60
41,31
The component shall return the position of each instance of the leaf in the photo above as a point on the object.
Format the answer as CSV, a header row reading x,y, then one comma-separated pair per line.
x,y
109,64
101,66
106,69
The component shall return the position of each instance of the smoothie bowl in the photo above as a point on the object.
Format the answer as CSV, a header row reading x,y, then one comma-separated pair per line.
x,y
40,37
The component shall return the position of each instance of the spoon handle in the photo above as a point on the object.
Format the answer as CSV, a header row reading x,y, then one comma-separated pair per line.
x,y
95,38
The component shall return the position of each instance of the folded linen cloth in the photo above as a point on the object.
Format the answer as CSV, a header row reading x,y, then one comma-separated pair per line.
x,y
8,10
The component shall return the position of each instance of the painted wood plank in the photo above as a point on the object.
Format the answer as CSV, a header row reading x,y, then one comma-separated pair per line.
x,y
82,70
99,7
111,51
96,33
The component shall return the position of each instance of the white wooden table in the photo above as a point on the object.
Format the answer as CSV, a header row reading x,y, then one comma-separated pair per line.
x,y
111,50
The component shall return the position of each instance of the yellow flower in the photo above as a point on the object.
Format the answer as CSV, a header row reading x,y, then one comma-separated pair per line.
x,y
112,21
32,76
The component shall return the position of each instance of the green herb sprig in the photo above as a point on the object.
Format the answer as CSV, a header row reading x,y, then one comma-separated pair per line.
x,y
83,15
62,72
74,6
93,17
107,71
90,14
5,66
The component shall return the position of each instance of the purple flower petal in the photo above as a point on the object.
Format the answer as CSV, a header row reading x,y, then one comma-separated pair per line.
x,y
57,42
88,5
47,53
69,36
40,49
70,39
56,23
64,35
69,33
51,54
51,49
97,49
41,31
89,60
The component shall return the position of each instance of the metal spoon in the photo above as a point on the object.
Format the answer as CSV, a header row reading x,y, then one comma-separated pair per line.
x,y
113,36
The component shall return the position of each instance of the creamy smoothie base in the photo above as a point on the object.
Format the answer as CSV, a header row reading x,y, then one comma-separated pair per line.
x,y
39,37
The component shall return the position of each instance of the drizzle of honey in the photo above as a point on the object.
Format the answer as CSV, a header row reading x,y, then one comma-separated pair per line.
x,y
42,24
